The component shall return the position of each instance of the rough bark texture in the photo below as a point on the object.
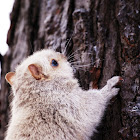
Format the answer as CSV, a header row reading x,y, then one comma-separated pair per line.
x,y
105,33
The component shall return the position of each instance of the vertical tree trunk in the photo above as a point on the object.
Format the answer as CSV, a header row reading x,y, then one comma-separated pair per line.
x,y
104,33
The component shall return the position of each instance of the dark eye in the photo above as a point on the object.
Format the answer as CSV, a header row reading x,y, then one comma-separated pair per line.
x,y
54,63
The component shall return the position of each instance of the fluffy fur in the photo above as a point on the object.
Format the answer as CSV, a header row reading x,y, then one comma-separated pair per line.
x,y
54,107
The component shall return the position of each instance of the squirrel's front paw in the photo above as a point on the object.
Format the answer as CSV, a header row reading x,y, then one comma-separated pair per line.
x,y
113,85
111,89
114,81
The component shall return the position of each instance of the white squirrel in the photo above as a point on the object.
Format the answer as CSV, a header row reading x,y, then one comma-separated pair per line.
x,y
48,103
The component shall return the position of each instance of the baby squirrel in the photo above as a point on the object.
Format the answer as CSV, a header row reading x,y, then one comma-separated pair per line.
x,y
48,103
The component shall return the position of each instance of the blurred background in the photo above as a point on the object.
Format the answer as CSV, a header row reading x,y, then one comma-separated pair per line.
x,y
5,10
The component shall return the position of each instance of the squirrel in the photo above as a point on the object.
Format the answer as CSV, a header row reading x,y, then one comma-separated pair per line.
x,y
49,104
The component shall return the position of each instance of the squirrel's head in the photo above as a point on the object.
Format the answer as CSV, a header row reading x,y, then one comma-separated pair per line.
x,y
46,65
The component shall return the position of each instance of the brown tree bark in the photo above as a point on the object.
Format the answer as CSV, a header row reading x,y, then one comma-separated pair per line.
x,y
105,33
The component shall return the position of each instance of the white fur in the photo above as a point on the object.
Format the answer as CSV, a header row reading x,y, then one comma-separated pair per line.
x,y
57,109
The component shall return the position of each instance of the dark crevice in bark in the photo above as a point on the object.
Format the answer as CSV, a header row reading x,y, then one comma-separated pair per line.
x,y
118,39
14,21
70,32
83,41
115,107
101,37
4,96
33,19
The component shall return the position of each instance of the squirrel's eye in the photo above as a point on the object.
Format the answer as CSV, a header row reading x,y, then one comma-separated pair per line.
x,y
54,63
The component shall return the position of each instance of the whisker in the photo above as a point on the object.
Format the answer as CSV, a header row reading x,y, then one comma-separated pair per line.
x,y
75,62
67,44
83,65
64,52
74,57
68,54
74,52
78,68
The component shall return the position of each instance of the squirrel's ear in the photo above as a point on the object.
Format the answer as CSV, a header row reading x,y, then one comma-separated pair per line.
x,y
35,71
9,77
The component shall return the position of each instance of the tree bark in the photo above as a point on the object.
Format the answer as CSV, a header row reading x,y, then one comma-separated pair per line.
x,y
102,33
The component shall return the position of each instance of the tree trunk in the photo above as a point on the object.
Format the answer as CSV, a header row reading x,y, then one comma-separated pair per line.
x,y
102,33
